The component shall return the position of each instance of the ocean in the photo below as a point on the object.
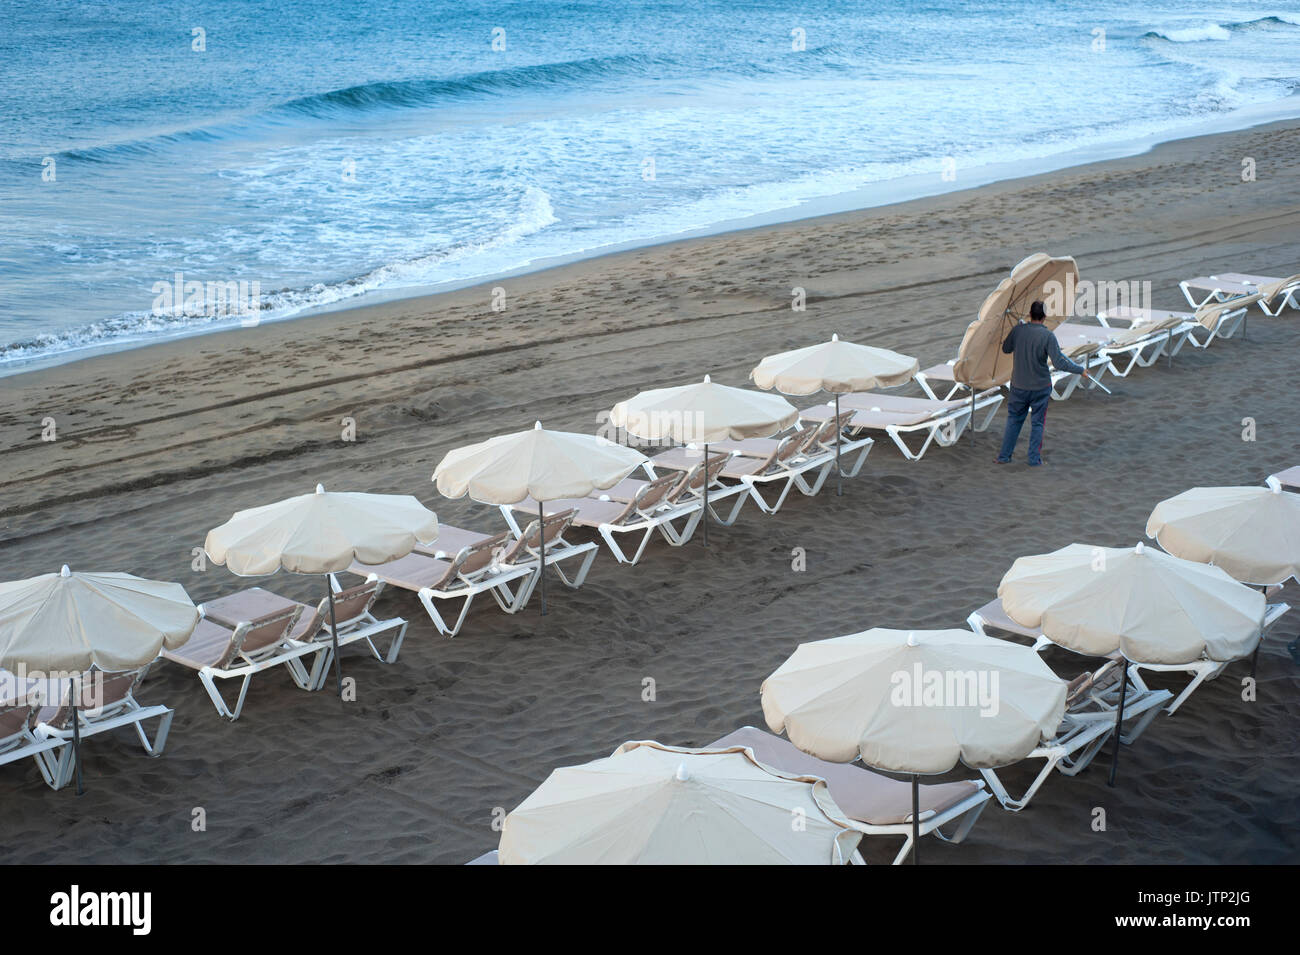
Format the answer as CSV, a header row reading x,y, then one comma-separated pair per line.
x,y
327,152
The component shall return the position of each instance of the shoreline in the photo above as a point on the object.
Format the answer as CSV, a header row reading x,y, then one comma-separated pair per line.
x,y
869,198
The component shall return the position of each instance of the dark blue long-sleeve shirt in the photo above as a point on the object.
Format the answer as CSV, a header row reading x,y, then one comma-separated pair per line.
x,y
1033,344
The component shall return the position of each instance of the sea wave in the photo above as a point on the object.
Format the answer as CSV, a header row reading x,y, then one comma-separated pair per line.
x,y
386,95
1219,31
535,212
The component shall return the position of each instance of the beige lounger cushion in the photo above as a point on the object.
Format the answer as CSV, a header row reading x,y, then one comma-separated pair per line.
x,y
412,572
450,541
875,420
206,647
862,794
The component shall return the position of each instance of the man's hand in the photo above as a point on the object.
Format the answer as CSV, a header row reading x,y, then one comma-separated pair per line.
x,y
1085,375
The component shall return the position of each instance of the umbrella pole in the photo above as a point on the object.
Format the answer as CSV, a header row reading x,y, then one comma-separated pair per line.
x,y
971,424
916,818
334,633
1119,723
541,537
76,737
839,475
705,516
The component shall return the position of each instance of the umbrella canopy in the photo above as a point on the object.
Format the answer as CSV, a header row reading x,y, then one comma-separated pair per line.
x,y
321,533
1152,607
544,465
651,804
834,366
703,413
1039,278
1251,532
72,621
915,701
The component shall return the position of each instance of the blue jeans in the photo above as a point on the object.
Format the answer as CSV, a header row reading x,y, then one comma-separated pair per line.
x,y
1020,403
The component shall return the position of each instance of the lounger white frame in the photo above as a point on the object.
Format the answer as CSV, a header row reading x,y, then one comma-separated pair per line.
x,y
365,626
1230,285
287,653
931,822
660,520
1086,726
943,429
1147,350
1286,294
1201,670
126,711
1064,383
24,743
1226,326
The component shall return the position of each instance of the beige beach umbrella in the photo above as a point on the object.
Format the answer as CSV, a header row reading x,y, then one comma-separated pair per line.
x,y
537,463
1149,606
915,702
834,366
70,622
1251,532
321,533
651,804
1038,278
702,413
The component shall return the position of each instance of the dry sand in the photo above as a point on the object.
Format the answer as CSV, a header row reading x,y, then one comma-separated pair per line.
x,y
157,445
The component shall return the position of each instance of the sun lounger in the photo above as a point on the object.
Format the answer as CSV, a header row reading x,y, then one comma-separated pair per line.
x,y
115,707
1090,709
940,381
646,515
1210,321
993,616
876,804
228,651
786,462
19,716
939,421
499,564
1275,294
352,615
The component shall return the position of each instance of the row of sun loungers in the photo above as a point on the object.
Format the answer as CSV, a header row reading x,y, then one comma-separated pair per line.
x,y
255,630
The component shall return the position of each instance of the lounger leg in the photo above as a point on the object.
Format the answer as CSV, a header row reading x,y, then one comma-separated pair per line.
x,y
1000,791
730,519
207,678
902,853
393,648
1187,691
968,820
160,737
426,598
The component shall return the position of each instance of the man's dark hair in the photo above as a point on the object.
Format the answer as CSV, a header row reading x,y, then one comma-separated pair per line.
x,y
1037,312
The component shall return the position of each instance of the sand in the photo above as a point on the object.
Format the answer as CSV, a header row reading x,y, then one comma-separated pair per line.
x,y
157,445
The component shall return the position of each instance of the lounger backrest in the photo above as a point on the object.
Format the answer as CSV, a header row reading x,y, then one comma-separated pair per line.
x,y
691,482
476,558
825,434
792,444
113,687
1211,313
651,494
530,542
350,605
16,722
254,635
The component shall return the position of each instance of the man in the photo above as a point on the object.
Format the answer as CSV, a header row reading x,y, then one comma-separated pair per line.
x,y
1034,345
